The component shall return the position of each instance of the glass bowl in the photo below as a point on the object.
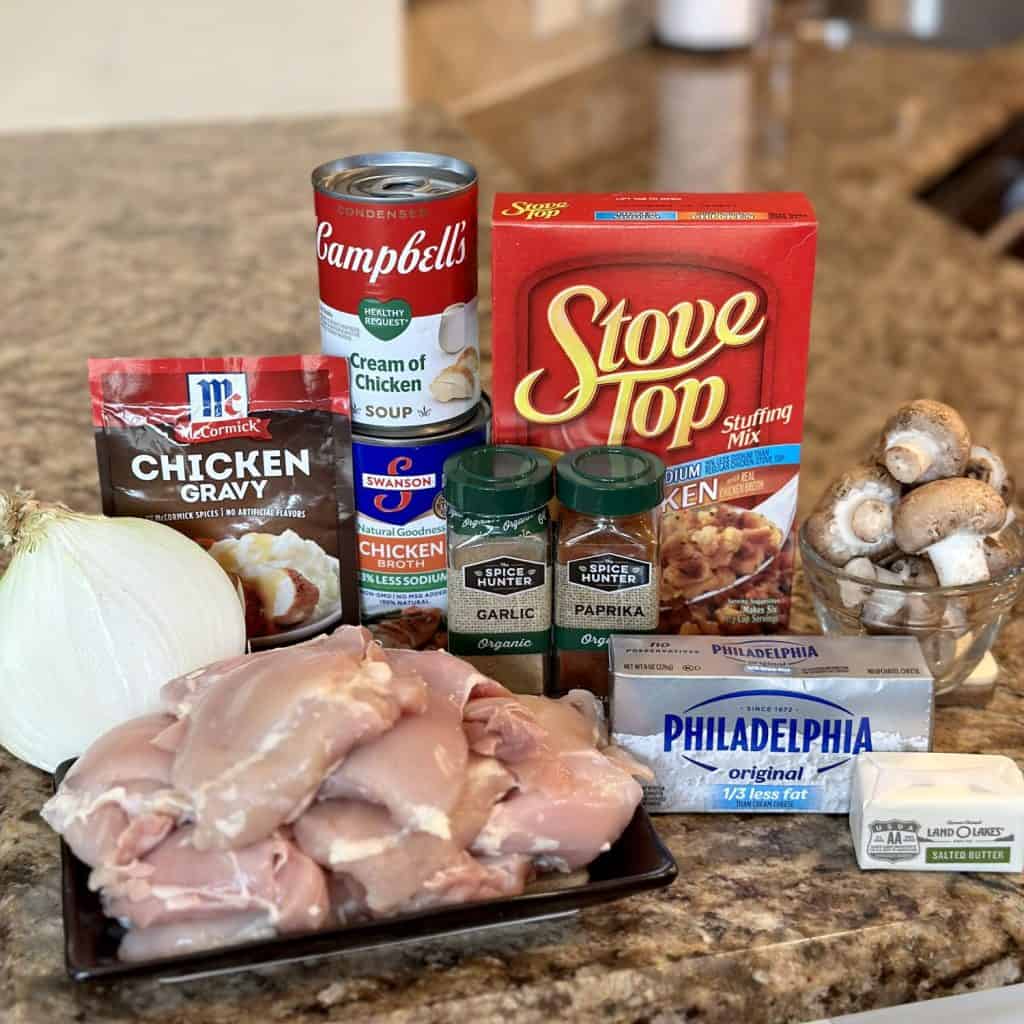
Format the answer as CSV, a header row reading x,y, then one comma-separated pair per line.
x,y
956,626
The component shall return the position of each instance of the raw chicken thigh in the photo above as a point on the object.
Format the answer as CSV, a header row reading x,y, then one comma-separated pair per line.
x,y
263,733
391,863
270,881
571,801
378,771
335,781
116,802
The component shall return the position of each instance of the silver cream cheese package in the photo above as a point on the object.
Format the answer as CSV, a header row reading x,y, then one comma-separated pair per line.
x,y
764,723
938,812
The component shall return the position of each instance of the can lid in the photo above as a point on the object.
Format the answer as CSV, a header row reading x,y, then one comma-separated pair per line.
x,y
401,177
610,480
497,480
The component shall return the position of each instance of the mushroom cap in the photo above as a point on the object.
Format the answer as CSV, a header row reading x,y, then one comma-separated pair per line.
x,y
829,529
940,424
1003,553
984,464
937,510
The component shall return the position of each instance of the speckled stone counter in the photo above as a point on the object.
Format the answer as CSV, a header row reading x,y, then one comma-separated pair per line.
x,y
197,240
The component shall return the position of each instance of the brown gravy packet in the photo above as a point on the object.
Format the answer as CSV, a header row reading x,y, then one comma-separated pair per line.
x,y
251,458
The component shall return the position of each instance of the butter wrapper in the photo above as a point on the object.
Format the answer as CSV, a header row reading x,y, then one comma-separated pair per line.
x,y
938,812
768,724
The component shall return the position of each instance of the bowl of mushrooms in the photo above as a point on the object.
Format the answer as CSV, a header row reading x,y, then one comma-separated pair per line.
x,y
920,539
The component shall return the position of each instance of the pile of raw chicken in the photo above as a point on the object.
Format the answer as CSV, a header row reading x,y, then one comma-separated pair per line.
x,y
334,782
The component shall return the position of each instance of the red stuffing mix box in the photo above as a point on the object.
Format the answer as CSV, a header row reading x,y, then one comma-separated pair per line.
x,y
679,324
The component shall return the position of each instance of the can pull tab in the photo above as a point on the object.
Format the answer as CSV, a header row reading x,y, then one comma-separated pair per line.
x,y
403,185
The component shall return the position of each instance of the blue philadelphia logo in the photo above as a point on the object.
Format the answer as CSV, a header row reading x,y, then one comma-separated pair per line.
x,y
766,650
842,734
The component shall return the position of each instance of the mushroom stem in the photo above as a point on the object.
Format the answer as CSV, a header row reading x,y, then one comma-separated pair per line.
x,y
854,594
872,520
882,606
908,458
959,559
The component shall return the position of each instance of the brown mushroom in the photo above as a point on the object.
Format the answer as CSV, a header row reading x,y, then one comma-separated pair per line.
x,y
852,592
914,571
1001,554
884,607
923,441
948,520
853,519
880,607
983,464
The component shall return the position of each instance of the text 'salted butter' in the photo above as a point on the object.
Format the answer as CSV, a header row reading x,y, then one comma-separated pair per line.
x,y
938,812
765,723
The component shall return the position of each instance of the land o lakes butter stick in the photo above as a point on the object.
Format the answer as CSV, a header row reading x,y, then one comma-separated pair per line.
x,y
765,723
938,812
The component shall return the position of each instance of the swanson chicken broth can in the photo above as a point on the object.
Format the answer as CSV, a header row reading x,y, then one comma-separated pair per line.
x,y
676,323
401,515
396,242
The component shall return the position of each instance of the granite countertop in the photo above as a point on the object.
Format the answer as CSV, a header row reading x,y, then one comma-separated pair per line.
x,y
194,240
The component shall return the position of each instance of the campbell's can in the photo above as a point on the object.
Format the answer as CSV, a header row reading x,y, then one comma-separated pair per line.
x,y
396,243
400,512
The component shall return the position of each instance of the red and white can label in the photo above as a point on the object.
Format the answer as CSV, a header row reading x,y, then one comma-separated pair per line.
x,y
398,300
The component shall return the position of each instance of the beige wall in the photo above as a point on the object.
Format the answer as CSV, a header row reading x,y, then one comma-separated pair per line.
x,y
90,62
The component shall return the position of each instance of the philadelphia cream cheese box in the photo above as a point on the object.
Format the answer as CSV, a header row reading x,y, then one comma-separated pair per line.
x,y
764,723
938,812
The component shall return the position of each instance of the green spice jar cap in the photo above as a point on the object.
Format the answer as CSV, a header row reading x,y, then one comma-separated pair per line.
x,y
497,480
610,481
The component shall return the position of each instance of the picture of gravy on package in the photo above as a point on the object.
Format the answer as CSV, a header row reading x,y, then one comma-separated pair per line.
x,y
251,458
677,324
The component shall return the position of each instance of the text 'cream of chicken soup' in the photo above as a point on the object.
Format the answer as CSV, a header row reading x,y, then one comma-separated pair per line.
x,y
765,723
396,252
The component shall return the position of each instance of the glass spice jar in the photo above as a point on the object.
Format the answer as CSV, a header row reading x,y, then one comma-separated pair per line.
x,y
606,566
499,563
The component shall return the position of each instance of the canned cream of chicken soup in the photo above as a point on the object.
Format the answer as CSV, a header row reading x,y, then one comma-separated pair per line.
x,y
401,514
396,249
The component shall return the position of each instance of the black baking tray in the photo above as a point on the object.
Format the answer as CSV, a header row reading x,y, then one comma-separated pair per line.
x,y
637,861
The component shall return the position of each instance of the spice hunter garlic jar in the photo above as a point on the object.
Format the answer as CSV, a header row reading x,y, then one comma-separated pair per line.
x,y
677,324
606,569
499,563
400,508
396,251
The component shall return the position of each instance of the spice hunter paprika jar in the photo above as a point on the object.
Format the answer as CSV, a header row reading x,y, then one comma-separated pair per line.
x,y
499,563
606,568
400,516
396,250
675,323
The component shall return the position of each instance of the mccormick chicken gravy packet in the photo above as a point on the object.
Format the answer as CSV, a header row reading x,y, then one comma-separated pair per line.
x,y
251,458
765,723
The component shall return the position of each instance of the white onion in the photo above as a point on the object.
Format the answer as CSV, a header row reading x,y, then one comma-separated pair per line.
x,y
96,614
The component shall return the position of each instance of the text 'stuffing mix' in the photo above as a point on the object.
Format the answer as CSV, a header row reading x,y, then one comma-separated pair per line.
x,y
678,324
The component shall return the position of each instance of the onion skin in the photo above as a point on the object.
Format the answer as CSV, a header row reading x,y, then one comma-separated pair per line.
x,y
96,614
